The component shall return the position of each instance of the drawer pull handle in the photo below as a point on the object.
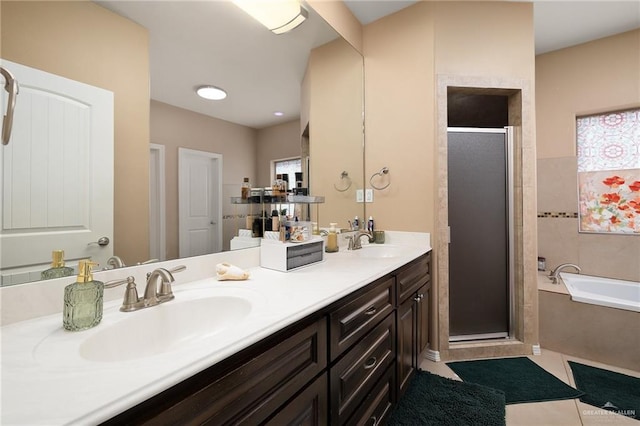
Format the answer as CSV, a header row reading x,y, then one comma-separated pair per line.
x,y
417,298
371,311
371,362
374,420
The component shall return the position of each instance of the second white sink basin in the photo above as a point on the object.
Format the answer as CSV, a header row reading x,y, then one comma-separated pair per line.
x,y
165,327
379,251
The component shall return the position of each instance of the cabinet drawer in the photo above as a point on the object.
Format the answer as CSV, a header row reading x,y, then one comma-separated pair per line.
x,y
353,376
375,409
413,276
310,408
251,392
353,319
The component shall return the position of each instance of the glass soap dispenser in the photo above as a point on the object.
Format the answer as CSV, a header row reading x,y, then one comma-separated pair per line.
x,y
57,269
83,300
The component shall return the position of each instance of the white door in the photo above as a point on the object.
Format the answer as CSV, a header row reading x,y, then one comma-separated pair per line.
x,y
200,202
57,174
157,211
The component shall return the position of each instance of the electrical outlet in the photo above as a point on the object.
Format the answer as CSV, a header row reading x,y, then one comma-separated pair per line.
x,y
359,196
368,195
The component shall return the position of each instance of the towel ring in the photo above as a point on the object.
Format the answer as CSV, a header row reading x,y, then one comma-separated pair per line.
x,y
344,175
382,172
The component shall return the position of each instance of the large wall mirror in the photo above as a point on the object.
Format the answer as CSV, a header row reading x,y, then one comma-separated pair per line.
x,y
324,125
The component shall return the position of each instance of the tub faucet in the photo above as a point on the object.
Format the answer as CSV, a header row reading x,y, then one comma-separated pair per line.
x,y
553,275
355,243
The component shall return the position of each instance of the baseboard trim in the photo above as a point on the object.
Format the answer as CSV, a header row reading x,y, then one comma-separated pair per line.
x,y
432,355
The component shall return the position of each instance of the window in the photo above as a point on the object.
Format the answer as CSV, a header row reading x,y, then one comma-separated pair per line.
x,y
290,167
608,147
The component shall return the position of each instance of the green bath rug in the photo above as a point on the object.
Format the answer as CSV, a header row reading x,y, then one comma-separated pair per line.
x,y
432,400
608,390
521,379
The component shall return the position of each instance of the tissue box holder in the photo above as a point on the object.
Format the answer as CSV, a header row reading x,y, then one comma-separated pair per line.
x,y
286,257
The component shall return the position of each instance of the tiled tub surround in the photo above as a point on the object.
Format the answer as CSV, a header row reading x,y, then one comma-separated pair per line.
x,y
598,333
45,380
605,255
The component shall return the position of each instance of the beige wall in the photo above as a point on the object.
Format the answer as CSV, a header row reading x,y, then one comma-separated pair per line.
x,y
85,42
335,130
599,76
407,56
275,143
174,127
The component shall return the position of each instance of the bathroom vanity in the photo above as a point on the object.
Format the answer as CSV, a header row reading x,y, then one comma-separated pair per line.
x,y
332,343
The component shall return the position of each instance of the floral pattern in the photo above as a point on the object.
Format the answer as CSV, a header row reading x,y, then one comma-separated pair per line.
x,y
610,201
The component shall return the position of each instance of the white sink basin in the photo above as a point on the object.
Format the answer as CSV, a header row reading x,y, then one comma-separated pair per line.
x,y
164,328
379,251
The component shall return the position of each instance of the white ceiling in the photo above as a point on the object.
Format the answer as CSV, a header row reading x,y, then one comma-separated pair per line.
x,y
195,43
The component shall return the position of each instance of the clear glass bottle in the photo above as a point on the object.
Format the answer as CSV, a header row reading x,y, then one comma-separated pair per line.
x,y
332,239
246,189
83,300
57,270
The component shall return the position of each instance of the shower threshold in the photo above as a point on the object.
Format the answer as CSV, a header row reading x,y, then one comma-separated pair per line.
x,y
484,336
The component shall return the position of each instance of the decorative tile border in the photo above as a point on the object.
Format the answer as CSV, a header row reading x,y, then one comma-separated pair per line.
x,y
560,215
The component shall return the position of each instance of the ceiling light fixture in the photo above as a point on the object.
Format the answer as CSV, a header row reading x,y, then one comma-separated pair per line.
x,y
211,92
279,16
278,113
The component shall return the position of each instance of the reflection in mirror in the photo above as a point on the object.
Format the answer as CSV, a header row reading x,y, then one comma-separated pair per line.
x,y
247,148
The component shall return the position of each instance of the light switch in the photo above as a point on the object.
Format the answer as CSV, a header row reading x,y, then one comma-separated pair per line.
x,y
368,195
359,196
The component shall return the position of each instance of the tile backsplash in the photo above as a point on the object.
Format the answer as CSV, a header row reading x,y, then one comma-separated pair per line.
x,y
559,241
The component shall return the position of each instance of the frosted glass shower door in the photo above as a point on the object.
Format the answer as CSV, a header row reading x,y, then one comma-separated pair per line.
x,y
479,219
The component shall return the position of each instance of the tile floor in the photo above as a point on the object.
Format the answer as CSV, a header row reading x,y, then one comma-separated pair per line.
x,y
562,413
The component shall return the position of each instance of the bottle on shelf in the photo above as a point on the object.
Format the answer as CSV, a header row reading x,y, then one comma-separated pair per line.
x,y
370,225
246,189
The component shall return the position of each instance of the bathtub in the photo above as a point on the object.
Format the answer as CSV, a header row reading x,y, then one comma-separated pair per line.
x,y
603,291
591,318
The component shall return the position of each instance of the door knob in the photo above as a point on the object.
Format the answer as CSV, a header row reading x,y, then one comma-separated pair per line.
x,y
102,241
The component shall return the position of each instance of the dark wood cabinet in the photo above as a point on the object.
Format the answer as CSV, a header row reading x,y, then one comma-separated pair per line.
x,y
412,318
345,364
246,389
354,376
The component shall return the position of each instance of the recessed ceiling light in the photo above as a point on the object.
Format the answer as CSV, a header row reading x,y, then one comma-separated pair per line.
x,y
278,113
211,92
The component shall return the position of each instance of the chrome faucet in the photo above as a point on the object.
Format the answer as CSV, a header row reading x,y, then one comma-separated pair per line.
x,y
553,275
115,262
153,294
355,243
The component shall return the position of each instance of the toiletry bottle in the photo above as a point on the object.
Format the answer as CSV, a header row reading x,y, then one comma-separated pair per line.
x,y
83,300
57,269
246,189
332,239
370,225
356,223
275,221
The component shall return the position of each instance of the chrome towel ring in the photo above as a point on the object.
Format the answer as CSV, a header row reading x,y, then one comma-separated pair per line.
x,y
381,173
344,176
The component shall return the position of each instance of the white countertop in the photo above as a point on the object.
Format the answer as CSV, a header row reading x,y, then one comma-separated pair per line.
x,y
45,380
